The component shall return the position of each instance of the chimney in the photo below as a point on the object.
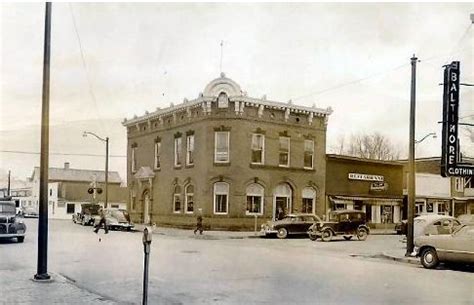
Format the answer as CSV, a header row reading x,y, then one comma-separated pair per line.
x,y
66,165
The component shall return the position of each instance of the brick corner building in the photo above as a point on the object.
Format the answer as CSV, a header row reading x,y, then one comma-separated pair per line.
x,y
235,157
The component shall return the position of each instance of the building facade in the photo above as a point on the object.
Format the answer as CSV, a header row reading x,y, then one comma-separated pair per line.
x,y
440,195
68,189
238,159
375,187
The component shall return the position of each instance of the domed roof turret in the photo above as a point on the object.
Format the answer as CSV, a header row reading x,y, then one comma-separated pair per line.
x,y
222,84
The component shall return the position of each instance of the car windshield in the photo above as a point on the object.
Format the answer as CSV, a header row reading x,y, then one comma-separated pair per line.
x,y
7,207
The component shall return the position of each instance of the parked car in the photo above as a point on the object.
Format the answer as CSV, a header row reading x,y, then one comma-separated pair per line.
x,y
341,222
29,212
402,227
89,212
116,219
466,219
290,224
457,247
11,226
433,224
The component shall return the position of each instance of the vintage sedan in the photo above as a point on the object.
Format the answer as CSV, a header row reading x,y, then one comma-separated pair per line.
x,y
341,222
432,224
116,219
11,226
290,224
457,247
88,214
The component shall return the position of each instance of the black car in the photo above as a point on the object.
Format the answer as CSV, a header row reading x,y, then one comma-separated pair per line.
x,y
290,224
11,226
341,222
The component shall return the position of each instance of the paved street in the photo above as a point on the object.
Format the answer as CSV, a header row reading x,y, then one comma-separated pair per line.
x,y
215,269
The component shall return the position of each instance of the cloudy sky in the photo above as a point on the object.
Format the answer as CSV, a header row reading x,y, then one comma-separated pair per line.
x,y
111,61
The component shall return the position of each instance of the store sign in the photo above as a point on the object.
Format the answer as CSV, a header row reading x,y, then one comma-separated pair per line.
x,y
365,177
378,186
450,165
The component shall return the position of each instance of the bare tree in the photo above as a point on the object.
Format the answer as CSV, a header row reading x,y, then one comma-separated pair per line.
x,y
370,146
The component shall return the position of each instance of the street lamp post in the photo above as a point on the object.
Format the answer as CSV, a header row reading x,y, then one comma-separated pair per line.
x,y
433,134
411,159
106,140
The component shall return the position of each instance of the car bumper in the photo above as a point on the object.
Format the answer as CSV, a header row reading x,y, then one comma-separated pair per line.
x,y
12,235
265,232
121,225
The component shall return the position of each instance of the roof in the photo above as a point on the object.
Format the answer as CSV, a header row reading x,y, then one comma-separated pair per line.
x,y
235,93
78,175
358,159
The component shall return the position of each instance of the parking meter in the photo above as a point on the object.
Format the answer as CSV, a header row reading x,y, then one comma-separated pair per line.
x,y
147,235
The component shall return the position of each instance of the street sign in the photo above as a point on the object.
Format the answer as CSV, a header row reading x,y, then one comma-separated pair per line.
x,y
450,163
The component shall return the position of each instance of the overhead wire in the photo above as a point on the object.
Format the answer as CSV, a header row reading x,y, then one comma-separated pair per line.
x,y
60,154
84,65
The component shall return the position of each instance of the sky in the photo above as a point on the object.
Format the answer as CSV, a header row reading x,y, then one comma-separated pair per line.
x,y
110,61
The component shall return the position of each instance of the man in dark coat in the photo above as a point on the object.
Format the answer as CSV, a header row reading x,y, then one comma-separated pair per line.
x,y
102,221
199,222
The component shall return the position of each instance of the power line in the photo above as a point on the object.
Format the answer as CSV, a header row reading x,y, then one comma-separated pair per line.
x,y
59,154
91,90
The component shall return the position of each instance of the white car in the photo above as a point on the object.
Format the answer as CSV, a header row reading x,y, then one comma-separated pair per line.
x,y
456,247
432,224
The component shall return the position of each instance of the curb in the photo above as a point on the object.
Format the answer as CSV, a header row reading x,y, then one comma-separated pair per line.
x,y
408,260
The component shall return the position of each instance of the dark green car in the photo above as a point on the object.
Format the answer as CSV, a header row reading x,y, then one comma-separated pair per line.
x,y
11,226
346,223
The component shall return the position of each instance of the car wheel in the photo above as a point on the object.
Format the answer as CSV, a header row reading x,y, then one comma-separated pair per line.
x,y
21,239
362,234
429,258
313,237
282,233
326,235
347,237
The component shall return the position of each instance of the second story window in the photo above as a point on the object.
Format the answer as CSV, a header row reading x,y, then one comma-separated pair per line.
x,y
134,160
221,147
177,151
177,199
308,154
190,150
258,148
157,155
284,152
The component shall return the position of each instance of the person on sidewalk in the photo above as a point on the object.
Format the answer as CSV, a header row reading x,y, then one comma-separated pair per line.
x,y
199,222
102,221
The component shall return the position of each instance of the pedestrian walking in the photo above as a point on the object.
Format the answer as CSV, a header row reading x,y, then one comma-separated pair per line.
x,y
199,222
102,221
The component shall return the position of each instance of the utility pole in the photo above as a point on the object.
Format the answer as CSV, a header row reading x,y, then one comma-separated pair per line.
x,y
42,263
106,171
411,160
8,187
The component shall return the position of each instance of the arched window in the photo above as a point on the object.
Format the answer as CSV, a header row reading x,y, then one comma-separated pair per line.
x,y
309,198
189,196
255,193
177,199
221,198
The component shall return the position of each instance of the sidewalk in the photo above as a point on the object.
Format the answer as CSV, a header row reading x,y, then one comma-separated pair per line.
x,y
18,287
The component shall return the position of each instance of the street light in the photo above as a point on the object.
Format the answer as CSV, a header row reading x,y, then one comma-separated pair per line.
x,y
433,134
106,140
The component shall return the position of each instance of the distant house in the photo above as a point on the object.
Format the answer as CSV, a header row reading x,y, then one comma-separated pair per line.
x,y
68,189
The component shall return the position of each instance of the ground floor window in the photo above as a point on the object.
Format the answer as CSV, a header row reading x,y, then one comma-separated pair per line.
x,y
189,199
443,208
70,208
419,208
429,207
255,199
221,197
307,205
